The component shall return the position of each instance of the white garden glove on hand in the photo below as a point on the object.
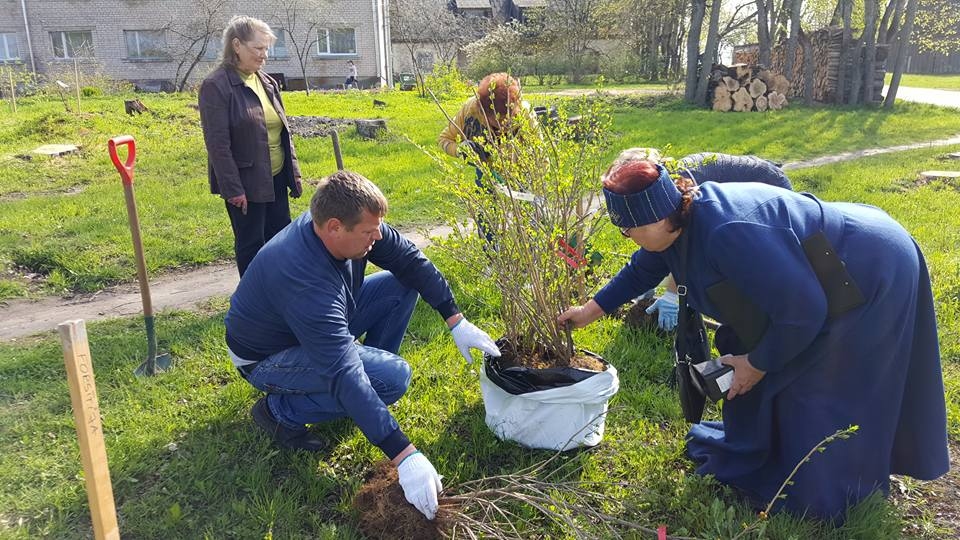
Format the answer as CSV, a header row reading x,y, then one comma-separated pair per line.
x,y
668,309
467,336
420,483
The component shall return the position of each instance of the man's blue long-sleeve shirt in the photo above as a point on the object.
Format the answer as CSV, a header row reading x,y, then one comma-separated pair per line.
x,y
295,293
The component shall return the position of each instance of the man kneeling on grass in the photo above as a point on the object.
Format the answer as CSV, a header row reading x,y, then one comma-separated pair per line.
x,y
303,303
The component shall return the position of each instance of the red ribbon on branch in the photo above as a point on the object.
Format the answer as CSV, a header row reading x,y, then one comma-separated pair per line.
x,y
570,255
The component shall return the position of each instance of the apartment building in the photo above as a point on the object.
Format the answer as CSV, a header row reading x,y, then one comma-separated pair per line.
x,y
147,41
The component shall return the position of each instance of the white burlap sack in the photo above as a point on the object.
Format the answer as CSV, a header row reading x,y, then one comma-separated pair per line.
x,y
555,419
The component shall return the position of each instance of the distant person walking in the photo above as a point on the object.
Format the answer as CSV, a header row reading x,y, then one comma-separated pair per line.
x,y
251,161
351,76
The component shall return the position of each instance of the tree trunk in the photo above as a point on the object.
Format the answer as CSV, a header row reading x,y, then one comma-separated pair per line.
x,y
677,39
903,42
807,45
653,57
846,11
417,74
698,9
763,33
888,32
709,53
869,39
884,20
186,76
790,56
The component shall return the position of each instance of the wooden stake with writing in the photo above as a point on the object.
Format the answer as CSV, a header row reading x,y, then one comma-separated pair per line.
x,y
86,415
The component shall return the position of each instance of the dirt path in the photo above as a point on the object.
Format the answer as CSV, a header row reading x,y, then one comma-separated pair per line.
x,y
174,290
186,289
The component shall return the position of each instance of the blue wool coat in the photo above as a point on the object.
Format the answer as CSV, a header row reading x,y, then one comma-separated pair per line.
x,y
876,366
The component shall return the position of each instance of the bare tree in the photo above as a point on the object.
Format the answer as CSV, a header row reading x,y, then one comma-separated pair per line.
x,y
193,36
573,24
429,22
300,20
652,31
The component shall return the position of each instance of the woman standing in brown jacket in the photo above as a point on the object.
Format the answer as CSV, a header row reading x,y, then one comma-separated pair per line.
x,y
251,161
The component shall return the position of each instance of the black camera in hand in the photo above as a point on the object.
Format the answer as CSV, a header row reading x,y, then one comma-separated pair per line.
x,y
712,378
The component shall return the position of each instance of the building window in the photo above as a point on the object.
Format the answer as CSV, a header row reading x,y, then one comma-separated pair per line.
x,y
336,41
73,44
9,50
279,47
146,44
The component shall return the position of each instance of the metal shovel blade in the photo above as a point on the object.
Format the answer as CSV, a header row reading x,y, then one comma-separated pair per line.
x,y
152,366
155,362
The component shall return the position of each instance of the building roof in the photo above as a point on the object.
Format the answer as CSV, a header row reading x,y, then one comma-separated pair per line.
x,y
523,4
473,4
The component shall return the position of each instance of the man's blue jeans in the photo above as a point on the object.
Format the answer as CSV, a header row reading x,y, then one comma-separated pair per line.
x,y
384,308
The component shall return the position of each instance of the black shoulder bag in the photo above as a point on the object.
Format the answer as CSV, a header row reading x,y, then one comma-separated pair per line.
x,y
691,345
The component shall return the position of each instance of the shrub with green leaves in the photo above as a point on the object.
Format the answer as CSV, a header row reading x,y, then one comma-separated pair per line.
x,y
539,205
446,81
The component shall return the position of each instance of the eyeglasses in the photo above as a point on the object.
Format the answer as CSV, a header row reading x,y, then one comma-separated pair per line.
x,y
625,231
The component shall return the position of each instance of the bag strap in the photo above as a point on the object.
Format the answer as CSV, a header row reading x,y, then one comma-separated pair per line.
x,y
681,276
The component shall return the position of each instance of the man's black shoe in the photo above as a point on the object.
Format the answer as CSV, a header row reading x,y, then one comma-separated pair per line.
x,y
299,439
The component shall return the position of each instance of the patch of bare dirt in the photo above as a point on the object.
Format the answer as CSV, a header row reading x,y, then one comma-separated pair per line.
x,y
317,126
636,315
903,186
931,505
538,357
21,195
383,511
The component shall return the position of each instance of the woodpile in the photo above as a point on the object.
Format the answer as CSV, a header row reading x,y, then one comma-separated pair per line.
x,y
745,87
826,47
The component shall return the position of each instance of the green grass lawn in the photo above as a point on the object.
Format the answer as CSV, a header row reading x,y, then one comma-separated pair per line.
x,y
186,461
63,224
940,82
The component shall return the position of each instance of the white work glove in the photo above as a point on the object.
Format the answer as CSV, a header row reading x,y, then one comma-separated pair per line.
x,y
668,309
467,336
420,483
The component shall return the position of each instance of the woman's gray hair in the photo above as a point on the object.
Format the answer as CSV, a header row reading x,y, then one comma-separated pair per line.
x,y
243,28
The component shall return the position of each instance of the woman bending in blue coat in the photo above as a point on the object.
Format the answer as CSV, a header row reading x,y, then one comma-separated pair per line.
x,y
853,342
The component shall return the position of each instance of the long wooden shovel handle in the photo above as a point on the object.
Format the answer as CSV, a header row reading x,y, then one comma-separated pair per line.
x,y
125,169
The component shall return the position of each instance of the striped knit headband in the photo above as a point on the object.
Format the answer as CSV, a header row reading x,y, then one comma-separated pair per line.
x,y
655,202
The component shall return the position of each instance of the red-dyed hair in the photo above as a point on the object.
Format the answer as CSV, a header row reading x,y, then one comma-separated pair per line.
x,y
630,177
499,91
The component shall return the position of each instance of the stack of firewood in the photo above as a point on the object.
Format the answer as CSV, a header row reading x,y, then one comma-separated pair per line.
x,y
743,87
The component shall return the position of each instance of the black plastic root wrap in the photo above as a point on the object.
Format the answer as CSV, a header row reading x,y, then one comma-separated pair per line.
x,y
518,380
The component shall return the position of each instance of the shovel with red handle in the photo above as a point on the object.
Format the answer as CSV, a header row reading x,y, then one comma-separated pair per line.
x,y
153,363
